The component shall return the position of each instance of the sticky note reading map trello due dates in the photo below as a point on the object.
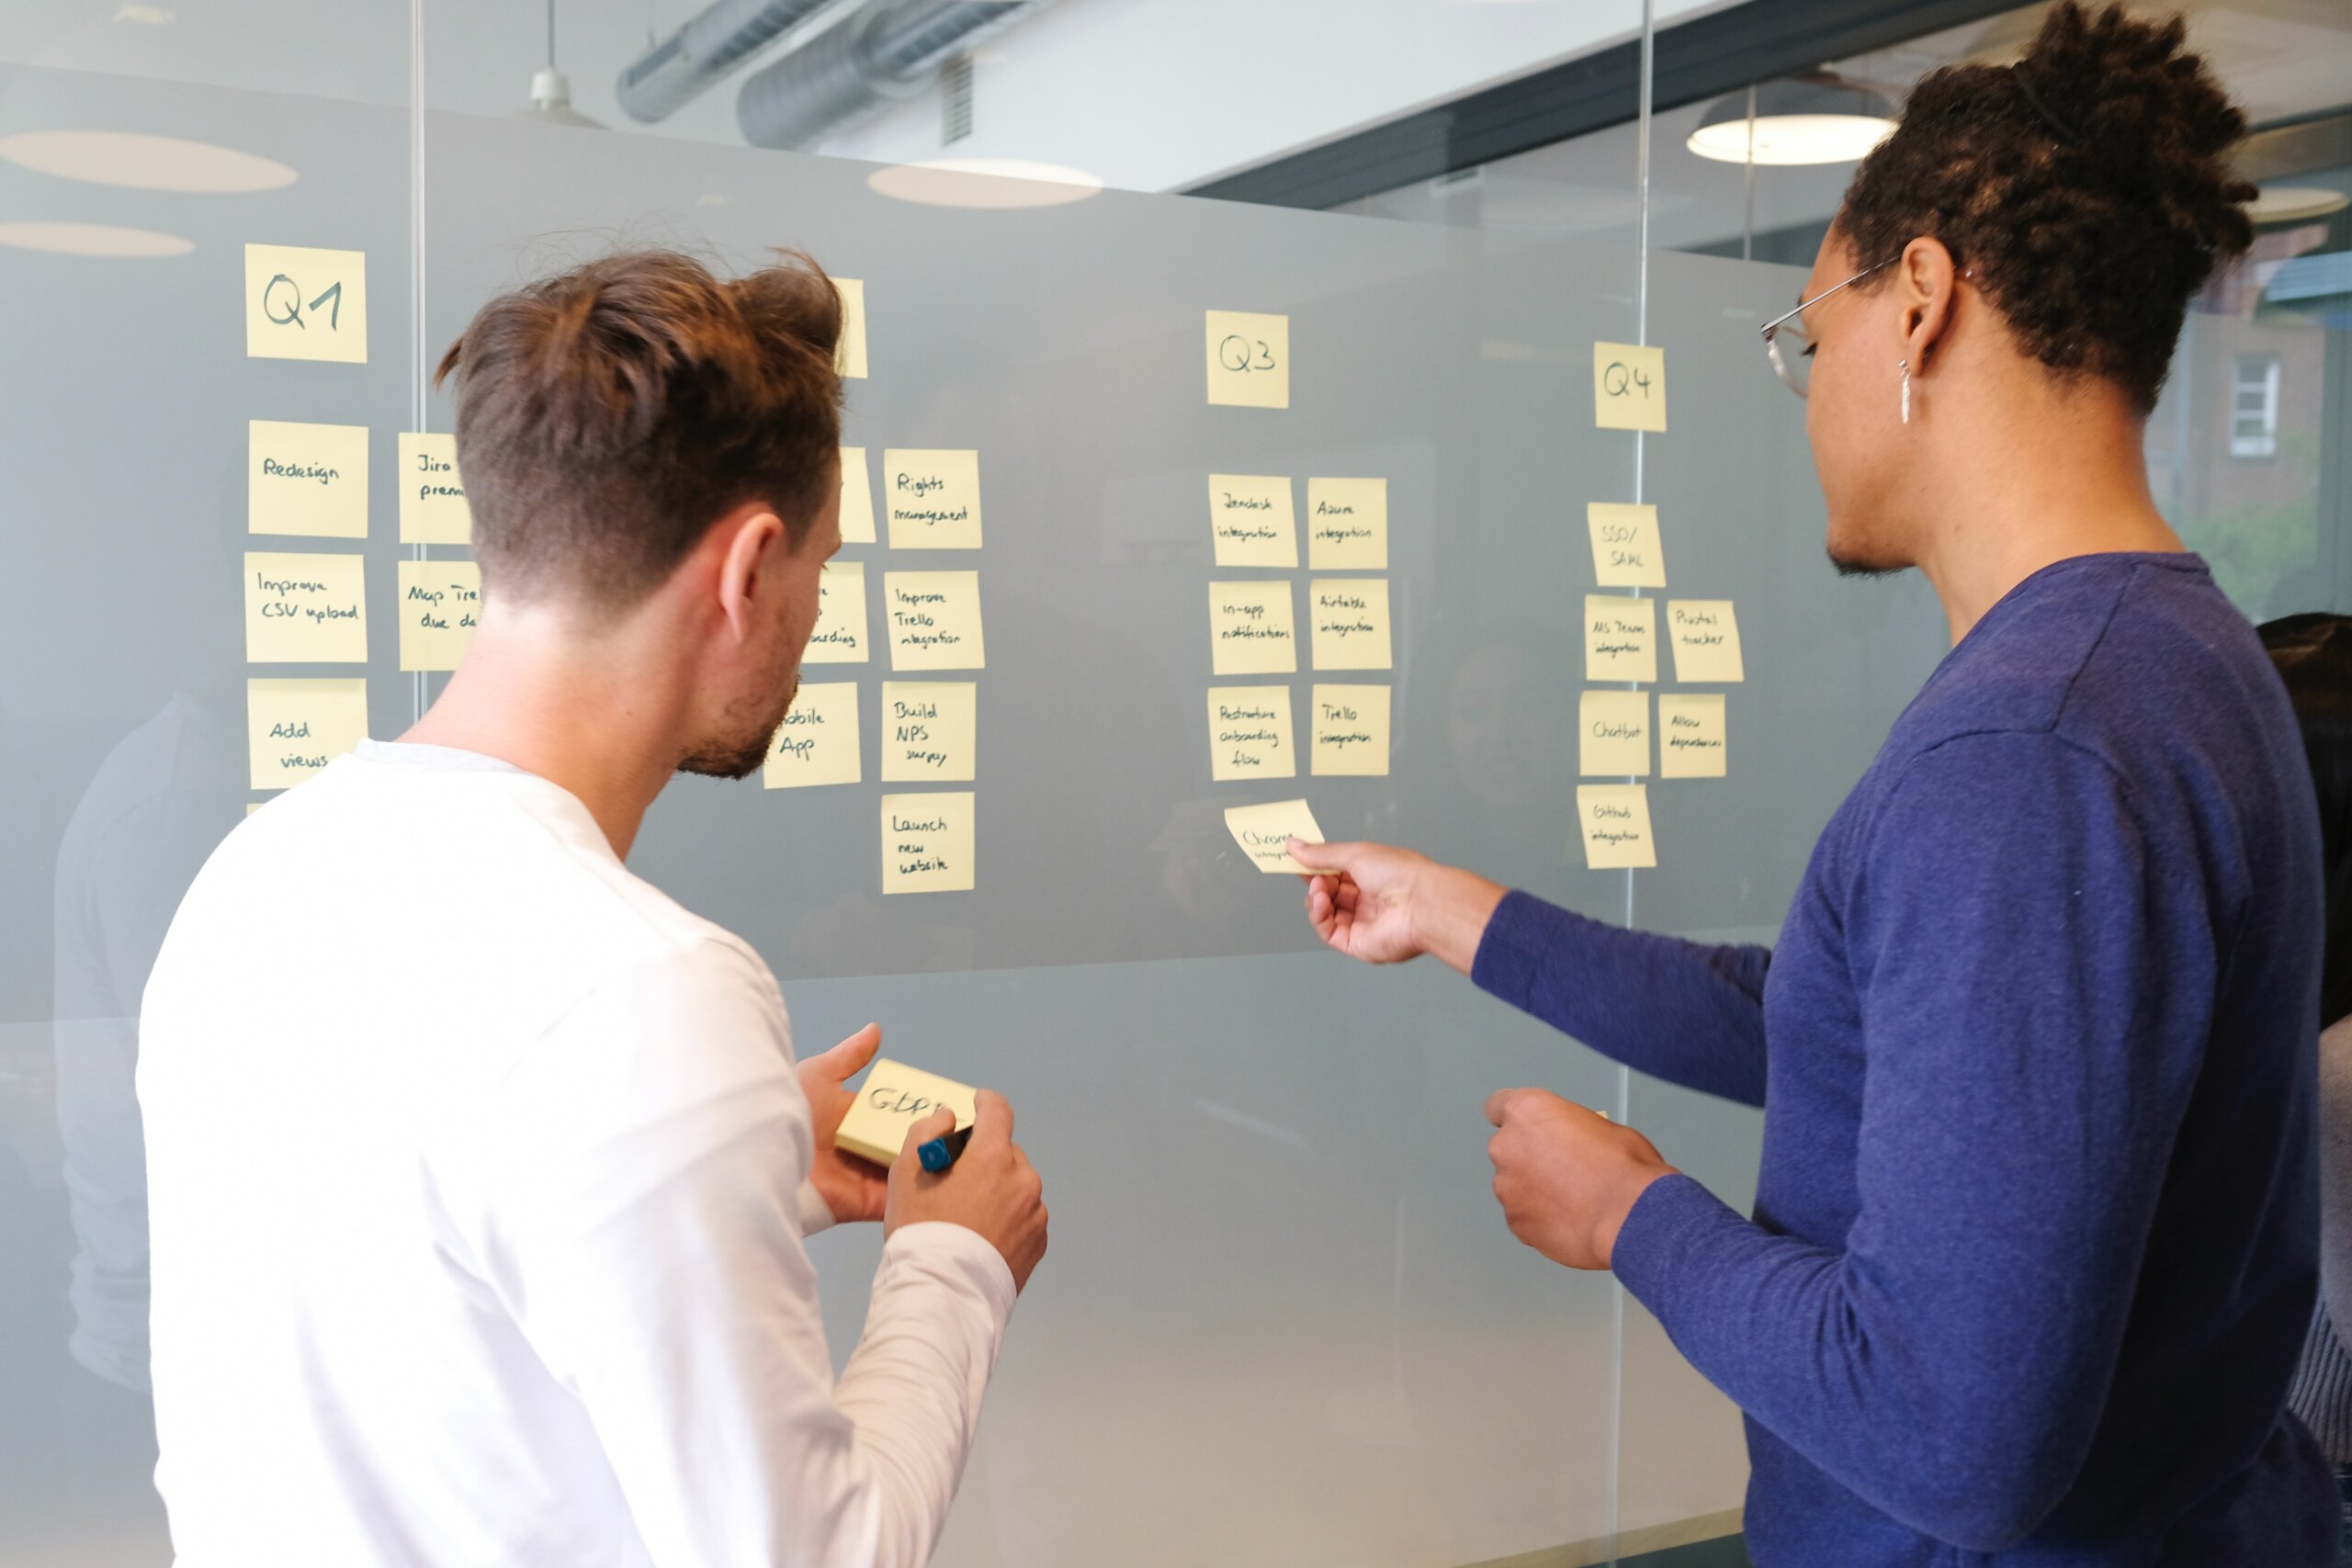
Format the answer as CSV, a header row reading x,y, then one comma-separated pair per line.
x,y
892,1102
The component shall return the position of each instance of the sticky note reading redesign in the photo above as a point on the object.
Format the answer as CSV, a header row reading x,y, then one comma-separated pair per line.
x,y
1706,640
927,842
891,1102
857,498
293,729
934,619
818,741
306,479
1620,638
432,498
929,731
1249,733
305,609
1350,732
839,637
440,604
1249,359
1628,387
1614,733
1626,551
1264,833
1351,622
849,359
304,303
1692,740
1347,524
1250,630
1616,822
1250,520
932,498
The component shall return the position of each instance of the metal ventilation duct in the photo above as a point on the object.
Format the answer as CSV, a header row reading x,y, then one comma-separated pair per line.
x,y
710,44
892,50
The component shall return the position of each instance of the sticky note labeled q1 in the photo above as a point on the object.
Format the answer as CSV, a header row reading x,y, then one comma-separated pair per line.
x,y
302,303
1628,387
892,1102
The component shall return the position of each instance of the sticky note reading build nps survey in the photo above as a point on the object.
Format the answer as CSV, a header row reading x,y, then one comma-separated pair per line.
x,y
1628,387
857,498
934,619
1691,737
839,637
892,1102
1250,630
1620,638
293,729
1249,733
1249,359
305,609
818,741
1616,819
432,498
1250,520
1613,731
927,842
1626,552
1351,622
929,731
306,304
1350,732
1706,640
932,498
440,604
1264,833
849,359
306,479
1347,524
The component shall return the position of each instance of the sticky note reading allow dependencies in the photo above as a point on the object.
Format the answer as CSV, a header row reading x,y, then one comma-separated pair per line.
x,y
1693,737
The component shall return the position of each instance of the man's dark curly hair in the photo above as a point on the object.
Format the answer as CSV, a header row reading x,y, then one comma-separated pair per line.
x,y
2086,185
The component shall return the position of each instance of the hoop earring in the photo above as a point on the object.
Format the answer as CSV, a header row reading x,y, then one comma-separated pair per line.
x,y
1906,366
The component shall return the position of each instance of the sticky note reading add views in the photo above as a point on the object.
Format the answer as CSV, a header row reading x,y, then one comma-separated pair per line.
x,y
1628,387
818,741
1626,550
1706,640
302,303
432,498
1249,359
293,729
934,619
440,604
932,498
891,1101
1249,733
1351,622
1347,524
1250,520
1264,833
1616,822
305,609
1250,629
927,842
306,479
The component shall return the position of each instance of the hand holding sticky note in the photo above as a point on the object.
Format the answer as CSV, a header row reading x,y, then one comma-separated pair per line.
x,y
893,1099
1264,833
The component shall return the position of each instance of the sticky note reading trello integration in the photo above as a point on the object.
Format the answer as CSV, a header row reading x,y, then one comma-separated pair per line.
x,y
1264,833
932,498
892,1102
1351,730
1626,552
1250,520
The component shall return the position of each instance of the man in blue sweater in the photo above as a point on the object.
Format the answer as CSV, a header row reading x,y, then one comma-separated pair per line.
x,y
2034,1240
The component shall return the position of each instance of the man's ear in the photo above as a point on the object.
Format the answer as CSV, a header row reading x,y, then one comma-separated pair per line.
x,y
1923,280
746,536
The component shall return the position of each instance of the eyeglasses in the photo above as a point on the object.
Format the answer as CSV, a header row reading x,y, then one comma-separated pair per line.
x,y
1785,342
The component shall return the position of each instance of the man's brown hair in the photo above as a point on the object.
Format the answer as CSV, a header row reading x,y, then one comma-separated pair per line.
x,y
609,416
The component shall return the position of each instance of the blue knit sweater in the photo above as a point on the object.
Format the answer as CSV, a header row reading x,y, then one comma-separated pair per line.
x,y
2035,1233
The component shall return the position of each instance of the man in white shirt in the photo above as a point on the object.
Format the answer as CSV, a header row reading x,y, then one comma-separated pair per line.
x,y
479,1170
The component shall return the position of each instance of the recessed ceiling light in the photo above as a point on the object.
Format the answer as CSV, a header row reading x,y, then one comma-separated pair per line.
x,y
145,16
92,240
2284,204
984,182
1819,118
142,162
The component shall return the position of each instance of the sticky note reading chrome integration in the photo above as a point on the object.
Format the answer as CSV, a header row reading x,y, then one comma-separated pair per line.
x,y
1613,733
1628,387
1347,524
927,842
849,359
1264,831
857,498
305,609
1250,629
1691,736
1706,640
433,496
1249,359
934,619
1249,733
293,729
1616,820
818,741
1351,622
302,303
1250,520
440,605
1626,551
932,498
1620,638
1350,732
929,731
839,637
892,1101
306,479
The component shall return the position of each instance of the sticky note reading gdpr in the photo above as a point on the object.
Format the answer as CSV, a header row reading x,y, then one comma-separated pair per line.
x,y
894,1098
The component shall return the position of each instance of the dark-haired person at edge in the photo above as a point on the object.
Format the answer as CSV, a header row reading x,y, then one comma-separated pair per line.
x,y
2313,653
479,1170
2034,1240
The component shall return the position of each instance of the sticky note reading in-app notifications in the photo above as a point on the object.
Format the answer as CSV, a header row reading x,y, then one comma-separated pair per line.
x,y
818,741
927,842
293,729
1613,731
1616,822
1347,524
440,605
932,498
839,637
849,359
1620,638
1706,640
433,496
857,498
892,1102
1350,624
306,479
1626,552
929,731
934,619
1628,387
304,303
1250,520
1692,737
1249,359
1249,733
1350,732
1264,833
1250,630
305,609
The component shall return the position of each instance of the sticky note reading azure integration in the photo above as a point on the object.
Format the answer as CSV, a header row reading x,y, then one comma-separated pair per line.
x,y
305,609
302,303
432,498
890,1104
927,842
306,479
1347,524
1626,550
933,499
1249,733
1264,833
818,741
934,619
1616,819
1249,359
293,729
1628,387
839,637
1706,640
1620,638
440,605
1250,520
1250,630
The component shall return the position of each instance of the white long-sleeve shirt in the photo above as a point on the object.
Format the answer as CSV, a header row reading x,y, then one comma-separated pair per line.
x,y
478,1176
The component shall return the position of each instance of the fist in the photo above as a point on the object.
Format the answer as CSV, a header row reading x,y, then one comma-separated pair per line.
x,y
1566,1177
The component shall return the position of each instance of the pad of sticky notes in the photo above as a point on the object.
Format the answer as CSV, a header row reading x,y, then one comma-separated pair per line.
x,y
1264,833
891,1101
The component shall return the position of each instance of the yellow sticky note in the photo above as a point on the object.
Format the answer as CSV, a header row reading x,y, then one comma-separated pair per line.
x,y
1249,359
934,619
1264,833
1347,524
849,359
932,498
927,842
440,604
1350,732
1628,387
929,731
1351,622
1620,638
305,609
1693,739
1613,733
1706,640
1250,630
1616,820
891,1102
306,479
839,637
1250,520
857,498
818,741
302,303
1626,550
293,729
433,496
1249,733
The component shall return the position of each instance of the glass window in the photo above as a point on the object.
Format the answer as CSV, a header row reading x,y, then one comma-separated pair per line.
x,y
2254,407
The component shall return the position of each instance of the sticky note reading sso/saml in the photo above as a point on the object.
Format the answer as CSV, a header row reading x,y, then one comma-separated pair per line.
x,y
305,303
294,728
1620,638
1613,733
934,620
1706,640
932,498
839,637
892,1102
306,479
857,498
440,605
1347,524
1616,820
1249,359
1691,737
927,842
433,496
1264,833
305,609
1249,733
1350,732
818,741
929,731
1250,520
1350,624
1250,630
1628,387
1626,551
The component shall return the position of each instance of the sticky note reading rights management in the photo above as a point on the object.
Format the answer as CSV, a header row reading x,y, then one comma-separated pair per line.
x,y
1264,833
892,1101
932,498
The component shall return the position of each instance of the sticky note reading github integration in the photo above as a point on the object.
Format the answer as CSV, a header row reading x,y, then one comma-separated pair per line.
x,y
932,498
1626,551
1249,359
1616,822
927,842
1250,522
818,742
1264,833
893,1100
306,479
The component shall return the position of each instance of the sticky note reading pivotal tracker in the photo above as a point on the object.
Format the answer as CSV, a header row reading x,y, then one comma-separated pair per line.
x,y
1250,520
1249,733
932,498
1347,524
306,479
440,604
1620,638
1249,359
1706,640
1264,833
818,741
1628,387
892,1102
1350,732
1250,630
1613,733
293,729
302,303
432,498
305,609
1626,551
927,842
1691,736
839,637
857,498
934,619
849,358
1616,820
929,731
1351,623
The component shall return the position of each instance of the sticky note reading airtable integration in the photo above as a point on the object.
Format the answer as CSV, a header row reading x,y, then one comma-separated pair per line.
x,y
1351,622
1249,359
1692,737
932,498
1249,733
1616,819
1613,733
1706,640
839,637
293,729
1264,833
1250,630
1250,520
818,741
304,303
1350,732
1620,638
306,479
929,731
857,498
432,498
927,842
1347,524
1626,550
440,605
1628,387
894,1099
305,609
934,619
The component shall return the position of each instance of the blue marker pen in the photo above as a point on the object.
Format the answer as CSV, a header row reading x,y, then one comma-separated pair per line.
x,y
940,1153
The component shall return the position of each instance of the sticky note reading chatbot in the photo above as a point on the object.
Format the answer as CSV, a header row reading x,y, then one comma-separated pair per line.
x,y
893,1100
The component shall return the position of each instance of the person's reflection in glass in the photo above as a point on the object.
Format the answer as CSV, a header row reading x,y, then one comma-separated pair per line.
x,y
1499,785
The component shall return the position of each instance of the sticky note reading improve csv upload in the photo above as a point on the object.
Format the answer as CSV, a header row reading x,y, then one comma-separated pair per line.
x,y
1351,622
857,498
1351,737
929,731
305,609
1347,524
892,1102
934,619
432,498
306,479
932,498
849,356
1626,550
818,741
1620,638
927,842
1691,736
840,635
1628,387
1250,520
440,605
1250,629
1249,733
1264,833
302,303
1614,733
1616,822
1249,359
1706,640
293,729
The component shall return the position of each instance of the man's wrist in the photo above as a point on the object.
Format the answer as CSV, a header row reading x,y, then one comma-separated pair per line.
x,y
1449,913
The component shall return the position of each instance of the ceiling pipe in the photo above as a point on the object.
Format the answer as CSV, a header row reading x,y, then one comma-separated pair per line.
x,y
890,50
707,47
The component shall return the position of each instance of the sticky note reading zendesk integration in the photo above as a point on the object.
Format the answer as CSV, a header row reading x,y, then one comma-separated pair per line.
x,y
932,498
432,497
1249,733
306,479
1250,520
293,729
302,303
1613,733
1706,640
849,359
1616,819
818,741
1628,387
1620,638
305,609
1249,359
440,604
1350,732
1347,524
1351,622
929,731
1626,551
934,619
891,1102
1250,629
839,637
1264,833
857,498
1691,736
927,842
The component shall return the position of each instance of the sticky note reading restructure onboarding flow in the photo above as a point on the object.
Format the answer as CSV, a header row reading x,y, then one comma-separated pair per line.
x,y
1351,738
1249,359
857,498
1251,521
306,479
1347,524
305,609
927,842
1691,736
1626,550
1249,733
440,605
849,356
294,728
818,742
929,731
1620,638
1628,387
892,1102
840,635
1706,640
304,303
1616,822
933,619
1351,622
1250,629
1264,833
1614,733
932,498
433,496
